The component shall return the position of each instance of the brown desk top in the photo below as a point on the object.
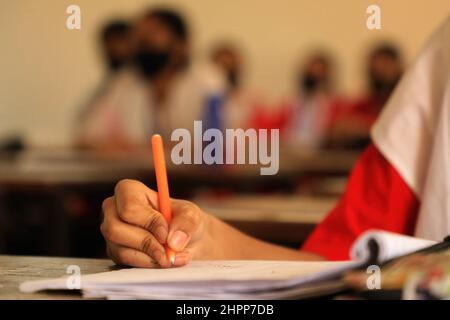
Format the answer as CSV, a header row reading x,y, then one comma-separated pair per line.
x,y
285,220
270,208
16,269
66,166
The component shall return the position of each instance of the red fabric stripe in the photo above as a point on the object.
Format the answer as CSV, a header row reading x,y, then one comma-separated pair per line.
x,y
376,197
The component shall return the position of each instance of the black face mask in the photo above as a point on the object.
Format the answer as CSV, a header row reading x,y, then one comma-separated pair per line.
x,y
381,86
115,64
308,83
150,62
233,79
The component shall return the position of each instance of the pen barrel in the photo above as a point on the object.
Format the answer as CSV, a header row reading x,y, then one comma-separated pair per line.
x,y
161,178
164,202
163,187
170,254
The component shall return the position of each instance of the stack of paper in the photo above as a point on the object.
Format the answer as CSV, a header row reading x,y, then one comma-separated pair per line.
x,y
237,279
209,280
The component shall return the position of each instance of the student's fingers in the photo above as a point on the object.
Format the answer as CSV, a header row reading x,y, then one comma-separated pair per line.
x,y
136,204
134,258
182,258
130,257
186,220
118,232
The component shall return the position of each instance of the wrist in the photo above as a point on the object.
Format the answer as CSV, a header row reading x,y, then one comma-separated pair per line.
x,y
210,247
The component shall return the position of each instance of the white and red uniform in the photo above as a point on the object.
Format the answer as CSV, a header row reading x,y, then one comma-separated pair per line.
x,y
401,183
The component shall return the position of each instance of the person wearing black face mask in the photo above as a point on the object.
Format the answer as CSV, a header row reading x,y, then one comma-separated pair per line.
x,y
159,90
383,71
240,103
151,62
161,50
308,83
311,111
229,60
315,76
116,44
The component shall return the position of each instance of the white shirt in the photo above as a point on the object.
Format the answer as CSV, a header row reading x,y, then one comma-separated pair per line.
x,y
127,108
413,133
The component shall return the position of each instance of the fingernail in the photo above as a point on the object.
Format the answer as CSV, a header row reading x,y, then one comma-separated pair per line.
x,y
181,260
161,234
178,240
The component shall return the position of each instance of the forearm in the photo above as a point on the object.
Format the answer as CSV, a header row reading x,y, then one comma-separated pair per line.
x,y
226,242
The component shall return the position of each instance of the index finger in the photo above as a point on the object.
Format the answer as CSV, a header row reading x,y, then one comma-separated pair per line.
x,y
137,204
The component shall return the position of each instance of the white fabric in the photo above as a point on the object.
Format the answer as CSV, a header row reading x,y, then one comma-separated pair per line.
x,y
127,108
413,133
238,109
308,124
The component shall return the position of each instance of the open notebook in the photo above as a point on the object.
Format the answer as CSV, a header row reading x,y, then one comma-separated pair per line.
x,y
237,279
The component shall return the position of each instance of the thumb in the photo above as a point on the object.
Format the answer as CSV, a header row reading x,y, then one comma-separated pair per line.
x,y
185,222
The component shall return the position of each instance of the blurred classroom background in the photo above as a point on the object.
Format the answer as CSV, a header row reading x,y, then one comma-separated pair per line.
x,y
77,107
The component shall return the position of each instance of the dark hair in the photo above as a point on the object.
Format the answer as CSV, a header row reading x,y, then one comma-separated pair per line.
x,y
115,28
173,20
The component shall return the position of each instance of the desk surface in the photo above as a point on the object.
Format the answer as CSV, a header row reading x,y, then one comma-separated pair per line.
x,y
16,269
270,208
66,166
285,220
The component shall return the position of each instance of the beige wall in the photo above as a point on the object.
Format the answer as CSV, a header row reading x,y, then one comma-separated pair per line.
x,y
46,70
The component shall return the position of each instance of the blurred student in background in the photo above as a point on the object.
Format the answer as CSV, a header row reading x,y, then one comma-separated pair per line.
x,y
239,104
229,59
116,49
312,109
160,90
383,71
116,44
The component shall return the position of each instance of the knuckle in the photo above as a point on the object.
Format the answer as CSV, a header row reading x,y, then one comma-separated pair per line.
x,y
110,232
153,221
187,205
122,184
191,216
147,244
128,211
107,203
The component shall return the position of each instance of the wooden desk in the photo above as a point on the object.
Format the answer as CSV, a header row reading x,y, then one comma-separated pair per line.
x,y
16,269
73,167
281,219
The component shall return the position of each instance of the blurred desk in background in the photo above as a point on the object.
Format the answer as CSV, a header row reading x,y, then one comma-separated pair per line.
x,y
50,200
75,167
286,220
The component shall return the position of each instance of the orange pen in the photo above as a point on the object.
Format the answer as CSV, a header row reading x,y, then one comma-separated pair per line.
x,y
163,187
